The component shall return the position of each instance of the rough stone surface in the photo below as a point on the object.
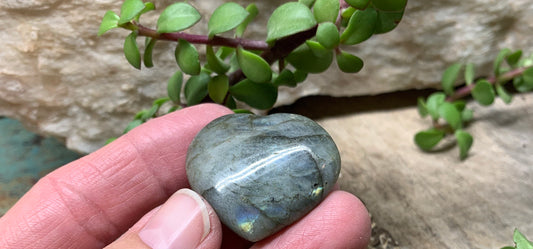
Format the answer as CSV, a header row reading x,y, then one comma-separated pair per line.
x,y
262,173
434,200
60,79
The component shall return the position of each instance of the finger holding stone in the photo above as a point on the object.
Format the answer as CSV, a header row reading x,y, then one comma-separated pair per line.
x,y
340,221
92,201
184,221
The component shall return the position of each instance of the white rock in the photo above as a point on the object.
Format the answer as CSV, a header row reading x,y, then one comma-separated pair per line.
x,y
60,79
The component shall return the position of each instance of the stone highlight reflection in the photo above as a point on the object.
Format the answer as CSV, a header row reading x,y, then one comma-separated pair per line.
x,y
262,173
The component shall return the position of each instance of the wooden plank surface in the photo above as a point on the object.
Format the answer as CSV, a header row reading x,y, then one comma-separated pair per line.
x,y
434,200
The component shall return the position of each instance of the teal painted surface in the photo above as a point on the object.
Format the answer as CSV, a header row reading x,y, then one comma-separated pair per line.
x,y
24,158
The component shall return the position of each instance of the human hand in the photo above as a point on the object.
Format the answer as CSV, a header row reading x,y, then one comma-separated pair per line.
x,y
112,196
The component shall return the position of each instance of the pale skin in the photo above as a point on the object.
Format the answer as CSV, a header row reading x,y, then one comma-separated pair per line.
x,y
105,198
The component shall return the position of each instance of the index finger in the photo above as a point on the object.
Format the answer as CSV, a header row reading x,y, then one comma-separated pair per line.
x,y
90,202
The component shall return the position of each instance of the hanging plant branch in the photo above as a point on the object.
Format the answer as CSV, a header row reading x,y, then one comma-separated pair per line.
x,y
203,39
280,50
448,111
303,37
465,91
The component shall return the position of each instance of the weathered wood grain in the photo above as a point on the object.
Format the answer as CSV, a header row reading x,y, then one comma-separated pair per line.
x,y
434,200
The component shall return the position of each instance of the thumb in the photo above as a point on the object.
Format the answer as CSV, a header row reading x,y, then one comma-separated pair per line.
x,y
184,221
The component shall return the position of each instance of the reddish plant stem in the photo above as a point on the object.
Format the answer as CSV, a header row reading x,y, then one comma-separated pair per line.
x,y
467,90
203,39
284,46
281,49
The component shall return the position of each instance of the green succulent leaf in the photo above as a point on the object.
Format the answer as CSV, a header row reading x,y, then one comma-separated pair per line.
x,y
422,108
521,241
110,21
347,13
214,62
289,18
449,77
252,13
387,21
242,111
149,44
525,83
160,101
150,113
503,94
303,59
174,87
218,88
349,63
390,5
177,17
361,26
428,139
110,140
464,140
433,103
233,63
499,59
132,125
253,66
139,115
225,18
257,95
469,73
131,51
526,62
319,50
326,10
308,3
483,93
513,58
230,103
467,115
358,4
224,52
129,10
460,105
327,35
174,108
285,78
520,86
148,6
187,57
300,76
196,88
449,112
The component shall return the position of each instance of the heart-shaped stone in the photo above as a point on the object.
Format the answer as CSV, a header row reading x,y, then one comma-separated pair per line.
x,y
262,173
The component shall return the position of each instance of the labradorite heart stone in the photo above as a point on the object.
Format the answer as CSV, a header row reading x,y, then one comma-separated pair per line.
x,y
262,173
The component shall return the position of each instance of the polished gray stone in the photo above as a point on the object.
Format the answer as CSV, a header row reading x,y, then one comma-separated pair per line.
x,y
262,173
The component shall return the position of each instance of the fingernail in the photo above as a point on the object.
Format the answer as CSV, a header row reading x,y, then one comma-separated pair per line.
x,y
182,222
